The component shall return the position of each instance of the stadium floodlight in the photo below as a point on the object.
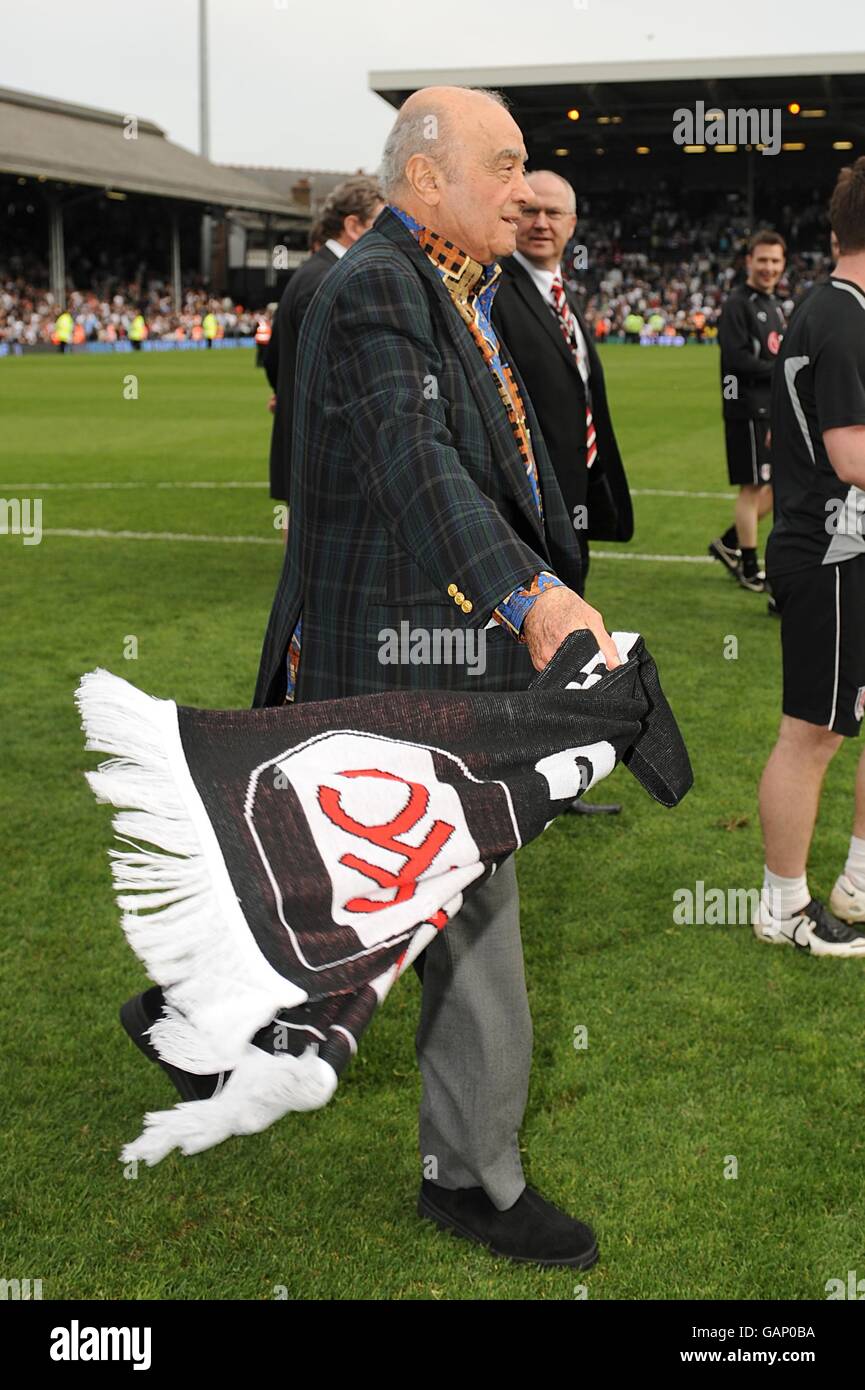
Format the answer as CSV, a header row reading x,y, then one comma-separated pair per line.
x,y
794,108
561,152
726,149
793,145
573,114
814,115
694,149
842,144
643,149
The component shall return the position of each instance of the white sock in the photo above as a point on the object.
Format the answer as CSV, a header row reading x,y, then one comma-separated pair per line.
x,y
855,866
784,897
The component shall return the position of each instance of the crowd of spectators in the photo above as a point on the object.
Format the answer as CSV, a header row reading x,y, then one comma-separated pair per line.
x,y
28,313
648,266
657,270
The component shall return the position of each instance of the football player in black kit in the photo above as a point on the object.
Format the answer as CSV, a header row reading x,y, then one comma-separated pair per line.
x,y
750,332
815,557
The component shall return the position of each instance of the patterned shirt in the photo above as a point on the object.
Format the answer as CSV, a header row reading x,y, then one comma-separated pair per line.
x,y
472,287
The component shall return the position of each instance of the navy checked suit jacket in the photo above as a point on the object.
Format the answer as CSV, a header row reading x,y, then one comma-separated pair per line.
x,y
405,479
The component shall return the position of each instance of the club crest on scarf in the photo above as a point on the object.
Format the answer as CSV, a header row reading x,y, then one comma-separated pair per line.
x,y
388,831
280,869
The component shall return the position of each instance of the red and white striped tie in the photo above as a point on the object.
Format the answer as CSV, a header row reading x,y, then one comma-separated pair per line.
x,y
566,323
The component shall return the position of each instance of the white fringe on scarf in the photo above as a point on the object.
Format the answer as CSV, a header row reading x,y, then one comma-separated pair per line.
x,y
261,1089
183,920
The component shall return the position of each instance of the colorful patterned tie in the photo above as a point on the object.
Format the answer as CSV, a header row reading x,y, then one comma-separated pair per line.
x,y
566,323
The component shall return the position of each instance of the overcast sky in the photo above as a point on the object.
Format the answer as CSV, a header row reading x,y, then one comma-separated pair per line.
x,y
289,78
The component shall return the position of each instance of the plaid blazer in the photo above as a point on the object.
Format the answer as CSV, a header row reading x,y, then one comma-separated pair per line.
x,y
406,480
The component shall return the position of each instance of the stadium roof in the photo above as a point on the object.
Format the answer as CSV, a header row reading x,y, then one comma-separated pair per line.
x,y
395,85
316,183
59,141
625,105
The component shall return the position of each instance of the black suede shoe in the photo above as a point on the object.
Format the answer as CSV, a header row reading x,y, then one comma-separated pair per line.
x,y
532,1231
138,1016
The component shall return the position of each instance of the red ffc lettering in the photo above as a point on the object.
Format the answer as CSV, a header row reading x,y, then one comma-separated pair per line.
x,y
417,858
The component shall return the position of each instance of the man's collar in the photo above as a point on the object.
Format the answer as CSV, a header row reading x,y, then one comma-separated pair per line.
x,y
539,273
461,273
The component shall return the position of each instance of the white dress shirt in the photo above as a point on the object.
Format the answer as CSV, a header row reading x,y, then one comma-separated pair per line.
x,y
336,247
543,280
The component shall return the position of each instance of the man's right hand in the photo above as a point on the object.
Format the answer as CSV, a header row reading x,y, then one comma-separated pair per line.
x,y
556,613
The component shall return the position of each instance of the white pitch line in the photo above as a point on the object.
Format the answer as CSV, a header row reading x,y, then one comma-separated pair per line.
x,y
116,487
27,488
660,559
98,533
664,492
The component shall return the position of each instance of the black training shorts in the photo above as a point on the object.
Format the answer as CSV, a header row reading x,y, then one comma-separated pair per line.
x,y
823,643
748,457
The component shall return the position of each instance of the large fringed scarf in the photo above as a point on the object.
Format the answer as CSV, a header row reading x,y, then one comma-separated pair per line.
x,y
282,867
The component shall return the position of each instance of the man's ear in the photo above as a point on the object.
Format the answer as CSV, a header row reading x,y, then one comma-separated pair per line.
x,y
353,226
424,179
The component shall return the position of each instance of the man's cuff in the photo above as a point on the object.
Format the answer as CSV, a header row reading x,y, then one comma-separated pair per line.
x,y
512,611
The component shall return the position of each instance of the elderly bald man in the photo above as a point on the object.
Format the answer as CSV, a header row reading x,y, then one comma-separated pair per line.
x,y
421,492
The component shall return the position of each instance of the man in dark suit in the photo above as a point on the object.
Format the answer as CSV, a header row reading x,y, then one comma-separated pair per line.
x,y
349,210
421,493
537,316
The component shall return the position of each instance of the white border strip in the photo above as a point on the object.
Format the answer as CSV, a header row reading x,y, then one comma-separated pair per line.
x,y
119,487
27,488
837,642
97,533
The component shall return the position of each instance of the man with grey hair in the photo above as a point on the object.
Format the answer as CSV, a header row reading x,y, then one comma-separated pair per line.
x,y
537,315
421,492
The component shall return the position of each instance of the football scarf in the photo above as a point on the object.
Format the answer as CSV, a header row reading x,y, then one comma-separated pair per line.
x,y
282,867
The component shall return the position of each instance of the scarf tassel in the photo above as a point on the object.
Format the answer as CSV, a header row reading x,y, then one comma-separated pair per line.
x,y
176,900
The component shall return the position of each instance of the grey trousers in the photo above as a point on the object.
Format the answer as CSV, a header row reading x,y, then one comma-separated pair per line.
x,y
474,1045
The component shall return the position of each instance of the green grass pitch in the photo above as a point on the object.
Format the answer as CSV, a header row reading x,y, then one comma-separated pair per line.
x,y
702,1044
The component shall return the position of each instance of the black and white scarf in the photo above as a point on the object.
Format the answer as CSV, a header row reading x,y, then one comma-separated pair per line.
x,y
282,867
